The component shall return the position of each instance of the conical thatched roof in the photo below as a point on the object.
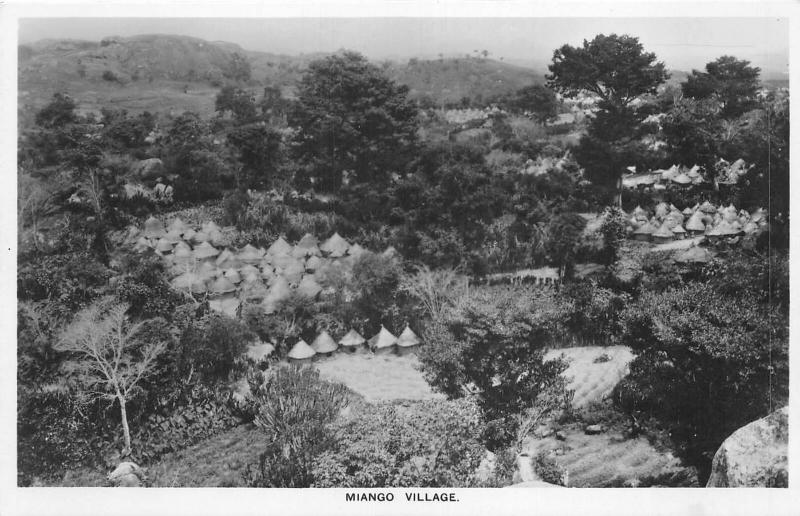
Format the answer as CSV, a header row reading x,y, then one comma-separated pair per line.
x,y
694,254
663,232
279,247
205,250
153,228
662,209
383,339
211,227
142,243
678,230
222,285
163,245
200,236
294,272
278,292
281,261
301,351
645,229
687,212
199,286
707,207
177,225
352,339
249,269
723,229
638,211
335,246
184,281
307,246
408,338
254,289
313,263
324,343
356,250
250,254
173,236
695,222
682,179
227,260
309,287
233,276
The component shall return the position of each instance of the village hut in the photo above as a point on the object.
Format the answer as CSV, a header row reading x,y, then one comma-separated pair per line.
x,y
707,207
142,244
383,342
407,342
356,250
200,237
301,353
313,263
249,270
205,252
281,261
352,342
687,212
250,255
182,254
173,237
294,272
199,286
644,233
178,226
163,246
324,345
278,292
153,228
268,274
307,246
679,232
682,179
639,213
227,260
671,173
279,247
222,287
695,225
210,227
253,289
258,351
662,210
750,227
663,234
335,246
309,287
694,254
233,276
184,281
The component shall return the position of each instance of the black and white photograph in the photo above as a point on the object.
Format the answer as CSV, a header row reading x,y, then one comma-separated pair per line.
x,y
394,253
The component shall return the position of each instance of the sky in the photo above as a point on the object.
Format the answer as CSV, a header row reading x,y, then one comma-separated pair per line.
x,y
682,43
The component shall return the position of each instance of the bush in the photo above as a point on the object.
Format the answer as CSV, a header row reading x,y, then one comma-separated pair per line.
x,y
421,444
294,408
110,76
548,469
209,346
144,286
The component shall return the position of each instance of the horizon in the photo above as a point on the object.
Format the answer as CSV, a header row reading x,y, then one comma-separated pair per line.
x,y
681,43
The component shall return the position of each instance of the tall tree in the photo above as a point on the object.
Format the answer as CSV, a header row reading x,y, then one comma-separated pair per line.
x,y
351,118
617,70
107,360
733,81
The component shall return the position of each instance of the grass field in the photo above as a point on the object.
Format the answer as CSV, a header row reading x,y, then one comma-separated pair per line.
x,y
593,381
610,459
378,377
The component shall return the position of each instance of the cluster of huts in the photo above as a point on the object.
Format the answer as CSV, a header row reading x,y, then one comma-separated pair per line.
x,y
679,175
668,223
382,343
202,266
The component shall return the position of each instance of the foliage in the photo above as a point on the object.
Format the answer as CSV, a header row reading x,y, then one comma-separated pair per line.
x,y
706,364
420,444
537,99
613,231
144,287
492,345
733,81
72,280
106,360
38,325
563,232
435,290
351,117
548,469
259,151
58,112
238,102
209,345
295,408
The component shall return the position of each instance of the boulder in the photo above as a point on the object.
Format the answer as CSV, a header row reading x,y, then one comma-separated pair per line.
x,y
127,474
754,455
148,168
594,429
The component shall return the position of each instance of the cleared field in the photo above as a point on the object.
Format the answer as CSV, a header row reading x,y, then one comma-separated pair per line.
x,y
378,377
611,460
593,381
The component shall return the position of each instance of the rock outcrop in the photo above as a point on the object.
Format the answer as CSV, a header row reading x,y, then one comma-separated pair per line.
x,y
754,455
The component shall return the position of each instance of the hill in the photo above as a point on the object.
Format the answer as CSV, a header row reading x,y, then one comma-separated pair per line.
x,y
167,73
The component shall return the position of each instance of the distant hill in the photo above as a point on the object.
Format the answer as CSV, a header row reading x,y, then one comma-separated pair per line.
x,y
167,73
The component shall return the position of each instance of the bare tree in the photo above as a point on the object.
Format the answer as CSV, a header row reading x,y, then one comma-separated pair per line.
x,y
108,360
34,203
435,290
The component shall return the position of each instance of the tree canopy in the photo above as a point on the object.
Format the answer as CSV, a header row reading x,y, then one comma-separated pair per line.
x,y
733,81
351,119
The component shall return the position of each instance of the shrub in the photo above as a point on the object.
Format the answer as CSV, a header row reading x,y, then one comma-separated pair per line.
x,y
548,469
601,358
110,76
144,286
422,444
209,346
294,408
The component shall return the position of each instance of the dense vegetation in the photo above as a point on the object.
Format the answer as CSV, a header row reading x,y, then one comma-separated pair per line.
x,y
111,356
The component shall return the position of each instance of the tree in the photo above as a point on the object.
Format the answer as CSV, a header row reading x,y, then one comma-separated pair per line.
x,y
563,232
259,150
238,102
238,68
537,99
107,360
613,231
351,118
617,70
733,81
58,113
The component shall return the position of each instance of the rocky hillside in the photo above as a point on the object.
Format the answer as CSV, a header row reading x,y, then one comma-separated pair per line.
x,y
167,73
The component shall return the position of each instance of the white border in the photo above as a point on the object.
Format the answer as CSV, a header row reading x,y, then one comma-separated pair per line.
x,y
82,501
